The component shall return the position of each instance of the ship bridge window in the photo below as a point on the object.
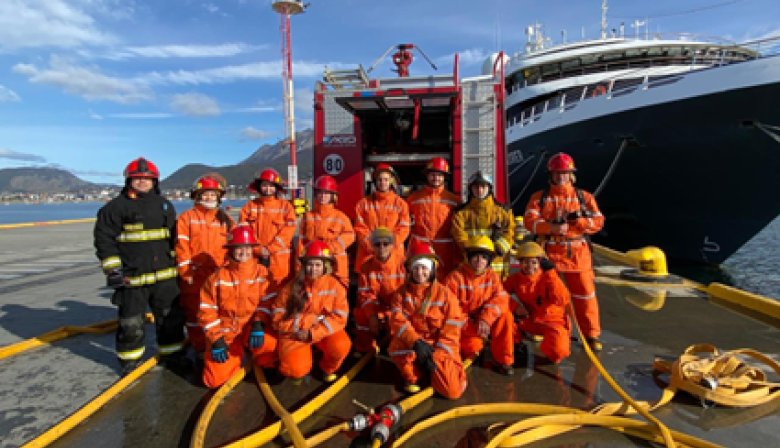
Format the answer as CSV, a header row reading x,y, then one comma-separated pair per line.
x,y
611,57
570,64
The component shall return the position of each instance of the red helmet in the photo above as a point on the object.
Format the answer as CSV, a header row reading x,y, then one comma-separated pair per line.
x,y
269,175
141,167
326,183
418,249
438,164
242,235
561,162
317,249
208,182
383,168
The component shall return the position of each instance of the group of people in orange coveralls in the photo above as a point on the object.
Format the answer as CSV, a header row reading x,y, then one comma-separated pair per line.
x,y
432,276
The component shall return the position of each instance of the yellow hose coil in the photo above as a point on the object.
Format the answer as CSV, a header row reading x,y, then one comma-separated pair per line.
x,y
199,433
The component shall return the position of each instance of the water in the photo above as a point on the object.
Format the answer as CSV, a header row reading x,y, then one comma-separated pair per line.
x,y
753,268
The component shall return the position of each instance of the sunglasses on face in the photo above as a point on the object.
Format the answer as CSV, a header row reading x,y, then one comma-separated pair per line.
x,y
382,244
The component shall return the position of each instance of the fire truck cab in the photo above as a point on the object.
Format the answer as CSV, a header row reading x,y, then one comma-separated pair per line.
x,y
406,121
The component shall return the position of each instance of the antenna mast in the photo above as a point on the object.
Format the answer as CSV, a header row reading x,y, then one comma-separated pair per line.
x,y
604,19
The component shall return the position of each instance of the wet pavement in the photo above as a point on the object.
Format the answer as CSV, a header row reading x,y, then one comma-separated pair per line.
x,y
40,387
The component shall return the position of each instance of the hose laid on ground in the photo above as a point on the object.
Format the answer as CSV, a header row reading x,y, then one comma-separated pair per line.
x,y
267,434
292,428
199,433
90,408
61,333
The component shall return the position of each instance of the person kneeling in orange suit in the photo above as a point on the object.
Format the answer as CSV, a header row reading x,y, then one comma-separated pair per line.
x,y
312,310
538,300
232,314
425,324
485,305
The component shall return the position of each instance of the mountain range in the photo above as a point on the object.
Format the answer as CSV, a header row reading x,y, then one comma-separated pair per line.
x,y
42,180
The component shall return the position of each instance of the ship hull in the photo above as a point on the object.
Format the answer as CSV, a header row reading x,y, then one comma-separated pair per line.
x,y
698,179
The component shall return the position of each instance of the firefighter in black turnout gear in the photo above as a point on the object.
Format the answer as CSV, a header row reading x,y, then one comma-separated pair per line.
x,y
134,240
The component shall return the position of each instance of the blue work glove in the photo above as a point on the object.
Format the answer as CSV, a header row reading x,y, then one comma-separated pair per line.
x,y
546,264
256,335
424,352
219,351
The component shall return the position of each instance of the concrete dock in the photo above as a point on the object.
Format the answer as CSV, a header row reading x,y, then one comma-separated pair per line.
x,y
49,277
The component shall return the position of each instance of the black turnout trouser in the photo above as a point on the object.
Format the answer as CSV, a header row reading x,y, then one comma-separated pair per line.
x,y
163,299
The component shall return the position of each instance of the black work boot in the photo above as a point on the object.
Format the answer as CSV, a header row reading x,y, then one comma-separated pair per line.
x,y
505,369
128,365
178,361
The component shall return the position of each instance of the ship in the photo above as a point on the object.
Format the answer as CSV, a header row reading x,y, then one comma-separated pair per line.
x,y
678,135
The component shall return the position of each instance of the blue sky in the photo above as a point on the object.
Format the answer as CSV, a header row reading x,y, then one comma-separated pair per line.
x,y
88,85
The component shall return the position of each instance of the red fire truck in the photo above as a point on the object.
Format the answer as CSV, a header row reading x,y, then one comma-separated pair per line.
x,y
405,121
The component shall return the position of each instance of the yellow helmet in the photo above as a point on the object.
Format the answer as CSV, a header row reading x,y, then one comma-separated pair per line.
x,y
381,233
480,244
529,250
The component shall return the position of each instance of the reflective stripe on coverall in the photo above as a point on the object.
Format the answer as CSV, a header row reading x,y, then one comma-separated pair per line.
x,y
200,237
431,210
377,284
333,227
545,297
380,210
482,297
274,223
232,299
429,312
481,217
325,315
569,252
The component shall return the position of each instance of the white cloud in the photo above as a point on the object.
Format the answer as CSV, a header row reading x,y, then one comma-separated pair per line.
x,y
466,58
230,73
195,105
87,83
94,116
22,156
210,7
176,51
47,23
142,115
253,110
250,133
304,101
7,95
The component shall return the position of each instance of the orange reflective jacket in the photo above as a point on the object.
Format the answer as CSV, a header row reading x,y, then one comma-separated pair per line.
x,y
379,281
429,312
481,297
331,226
274,223
431,210
543,295
200,238
380,210
569,252
231,298
325,313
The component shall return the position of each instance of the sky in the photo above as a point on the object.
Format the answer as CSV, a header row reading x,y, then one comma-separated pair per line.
x,y
89,85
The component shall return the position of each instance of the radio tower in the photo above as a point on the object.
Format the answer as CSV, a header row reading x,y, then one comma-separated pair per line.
x,y
287,8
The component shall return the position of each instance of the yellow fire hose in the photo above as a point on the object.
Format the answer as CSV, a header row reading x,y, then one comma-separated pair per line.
x,y
199,433
292,428
61,333
90,408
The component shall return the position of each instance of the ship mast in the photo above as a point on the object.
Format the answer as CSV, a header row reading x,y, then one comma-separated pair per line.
x,y
604,19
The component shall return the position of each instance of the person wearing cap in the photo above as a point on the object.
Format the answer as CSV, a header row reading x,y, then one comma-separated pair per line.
x,y
562,217
425,326
312,310
382,208
234,311
327,224
201,234
134,236
380,277
538,300
483,215
431,209
485,305
274,223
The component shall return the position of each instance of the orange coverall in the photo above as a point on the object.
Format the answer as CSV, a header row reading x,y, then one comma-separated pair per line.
x,y
200,238
569,252
429,312
325,315
376,210
545,297
333,227
482,297
232,299
274,223
432,210
377,284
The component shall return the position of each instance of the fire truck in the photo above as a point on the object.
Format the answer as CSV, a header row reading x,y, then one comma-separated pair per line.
x,y
404,121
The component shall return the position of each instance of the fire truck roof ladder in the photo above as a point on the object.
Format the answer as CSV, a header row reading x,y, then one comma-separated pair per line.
x,y
342,79
479,132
